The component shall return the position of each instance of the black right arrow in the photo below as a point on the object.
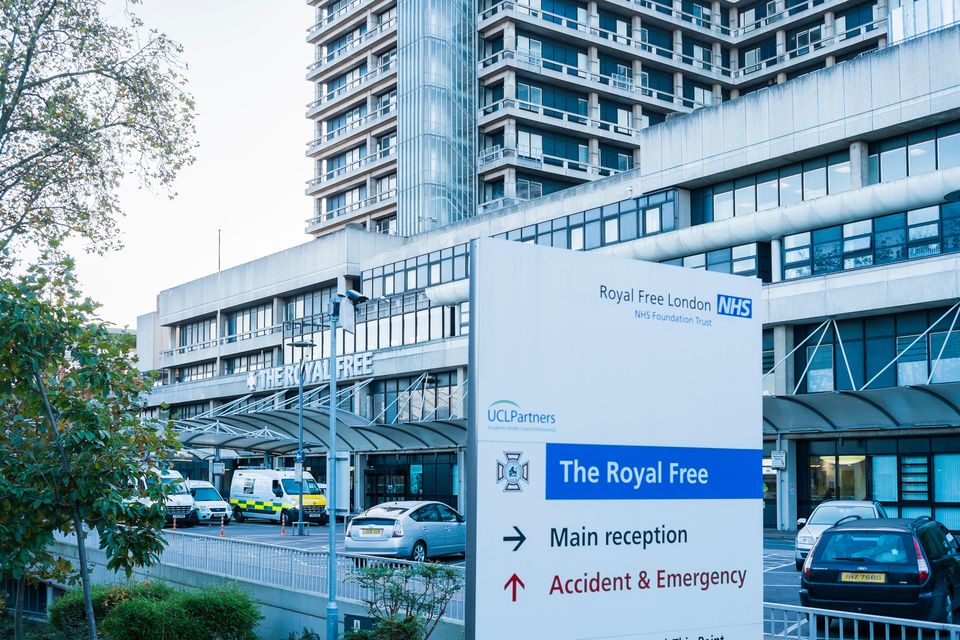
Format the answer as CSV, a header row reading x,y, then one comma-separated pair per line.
x,y
519,538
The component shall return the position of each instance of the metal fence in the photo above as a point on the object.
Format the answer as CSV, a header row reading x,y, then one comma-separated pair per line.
x,y
787,622
278,566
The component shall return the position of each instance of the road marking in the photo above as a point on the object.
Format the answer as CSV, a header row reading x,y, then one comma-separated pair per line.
x,y
781,566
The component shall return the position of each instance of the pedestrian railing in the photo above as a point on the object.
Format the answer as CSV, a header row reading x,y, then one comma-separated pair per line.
x,y
788,622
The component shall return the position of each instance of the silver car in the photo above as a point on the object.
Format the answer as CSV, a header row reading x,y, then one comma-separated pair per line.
x,y
825,516
416,530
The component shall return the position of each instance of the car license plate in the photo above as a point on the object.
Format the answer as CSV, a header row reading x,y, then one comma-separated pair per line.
x,y
372,532
177,516
872,578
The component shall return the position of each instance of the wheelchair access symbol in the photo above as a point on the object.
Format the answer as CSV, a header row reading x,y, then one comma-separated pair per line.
x,y
513,472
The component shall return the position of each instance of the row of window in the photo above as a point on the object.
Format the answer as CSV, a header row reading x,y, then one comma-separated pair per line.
x,y
195,372
195,334
423,271
870,344
435,398
915,154
892,238
771,189
249,322
248,362
743,260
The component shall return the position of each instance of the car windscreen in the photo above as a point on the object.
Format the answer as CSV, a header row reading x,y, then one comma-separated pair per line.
x,y
177,485
292,487
832,513
206,494
385,511
876,547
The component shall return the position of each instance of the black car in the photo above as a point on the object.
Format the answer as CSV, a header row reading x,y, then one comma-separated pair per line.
x,y
891,567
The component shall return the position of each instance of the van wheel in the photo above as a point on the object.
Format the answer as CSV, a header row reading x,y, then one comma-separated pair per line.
x,y
419,551
237,514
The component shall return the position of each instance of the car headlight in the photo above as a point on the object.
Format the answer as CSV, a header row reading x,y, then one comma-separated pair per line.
x,y
805,540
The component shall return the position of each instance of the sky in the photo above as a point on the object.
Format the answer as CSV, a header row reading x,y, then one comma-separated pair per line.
x,y
247,62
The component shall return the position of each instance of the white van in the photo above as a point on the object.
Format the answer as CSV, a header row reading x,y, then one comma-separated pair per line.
x,y
180,505
211,506
270,494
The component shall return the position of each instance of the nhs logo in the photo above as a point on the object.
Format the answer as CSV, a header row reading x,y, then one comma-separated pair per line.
x,y
734,306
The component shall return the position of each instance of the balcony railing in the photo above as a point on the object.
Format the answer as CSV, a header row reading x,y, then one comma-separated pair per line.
x,y
629,42
359,123
366,161
355,43
535,158
564,116
807,49
334,16
354,84
623,83
499,203
368,203
683,16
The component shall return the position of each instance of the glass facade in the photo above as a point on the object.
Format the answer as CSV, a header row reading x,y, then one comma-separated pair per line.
x,y
436,42
436,398
915,154
412,476
911,477
918,233
873,342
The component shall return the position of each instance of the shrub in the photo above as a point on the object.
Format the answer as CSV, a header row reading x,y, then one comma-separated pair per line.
x,y
146,619
69,614
221,613
306,634
391,629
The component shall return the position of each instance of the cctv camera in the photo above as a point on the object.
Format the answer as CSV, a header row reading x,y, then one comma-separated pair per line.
x,y
355,296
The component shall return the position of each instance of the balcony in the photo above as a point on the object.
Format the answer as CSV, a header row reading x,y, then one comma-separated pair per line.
x,y
351,88
618,42
315,69
367,205
496,205
334,18
532,158
822,47
358,125
561,119
349,170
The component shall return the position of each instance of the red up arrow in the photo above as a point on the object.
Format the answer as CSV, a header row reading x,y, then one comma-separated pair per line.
x,y
514,581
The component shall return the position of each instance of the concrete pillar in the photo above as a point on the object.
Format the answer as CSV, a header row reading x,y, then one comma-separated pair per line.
x,y
637,121
781,77
684,213
593,106
461,480
717,93
715,9
829,24
510,85
510,183
510,134
359,464
677,45
677,87
781,42
636,24
593,15
593,156
776,260
784,380
593,61
734,60
881,42
787,486
859,169
716,54
510,37
637,69
829,61
734,16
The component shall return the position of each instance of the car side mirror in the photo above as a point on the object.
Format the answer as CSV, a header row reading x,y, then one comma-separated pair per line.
x,y
193,493
801,523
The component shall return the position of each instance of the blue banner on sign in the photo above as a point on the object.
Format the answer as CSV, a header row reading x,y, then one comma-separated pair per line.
x,y
616,472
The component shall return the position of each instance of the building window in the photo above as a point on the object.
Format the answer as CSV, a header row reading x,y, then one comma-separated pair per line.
x,y
195,372
199,334
249,323
915,154
247,363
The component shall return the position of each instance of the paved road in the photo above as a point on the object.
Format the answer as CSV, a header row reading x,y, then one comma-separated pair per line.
x,y
781,580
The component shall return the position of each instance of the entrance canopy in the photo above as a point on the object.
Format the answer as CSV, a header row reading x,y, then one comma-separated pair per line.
x,y
916,406
275,432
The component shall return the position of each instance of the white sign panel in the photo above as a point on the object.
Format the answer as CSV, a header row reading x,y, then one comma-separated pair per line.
x,y
615,449
778,460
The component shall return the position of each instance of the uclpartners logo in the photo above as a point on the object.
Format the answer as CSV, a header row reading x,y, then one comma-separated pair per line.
x,y
509,412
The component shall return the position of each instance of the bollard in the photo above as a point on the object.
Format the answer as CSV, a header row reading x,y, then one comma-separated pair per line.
x,y
221,525
174,522
283,524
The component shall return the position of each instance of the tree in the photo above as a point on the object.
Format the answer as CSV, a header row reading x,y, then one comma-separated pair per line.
x,y
409,600
83,102
74,451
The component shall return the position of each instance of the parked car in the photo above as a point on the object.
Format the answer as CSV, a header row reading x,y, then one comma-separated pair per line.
x,y
825,516
275,495
416,530
892,567
211,506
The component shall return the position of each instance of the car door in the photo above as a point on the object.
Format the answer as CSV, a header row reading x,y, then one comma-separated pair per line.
x,y
430,528
933,542
952,553
454,530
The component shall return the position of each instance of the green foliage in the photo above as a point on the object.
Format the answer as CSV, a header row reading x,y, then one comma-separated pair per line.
x,y
84,101
306,634
408,599
391,629
155,611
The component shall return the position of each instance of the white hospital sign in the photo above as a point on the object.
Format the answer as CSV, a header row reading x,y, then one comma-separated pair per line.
x,y
615,435
359,365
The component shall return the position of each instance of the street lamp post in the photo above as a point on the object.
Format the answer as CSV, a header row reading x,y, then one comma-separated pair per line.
x,y
333,614
301,344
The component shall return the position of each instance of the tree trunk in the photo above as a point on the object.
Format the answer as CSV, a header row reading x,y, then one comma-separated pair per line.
x,y
84,574
18,608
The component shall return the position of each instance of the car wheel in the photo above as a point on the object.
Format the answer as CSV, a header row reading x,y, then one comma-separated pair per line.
x,y
419,551
237,514
799,565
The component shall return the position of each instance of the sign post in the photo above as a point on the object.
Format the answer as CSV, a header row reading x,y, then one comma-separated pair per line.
x,y
615,453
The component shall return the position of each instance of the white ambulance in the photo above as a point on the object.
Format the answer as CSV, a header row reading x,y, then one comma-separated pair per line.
x,y
272,495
